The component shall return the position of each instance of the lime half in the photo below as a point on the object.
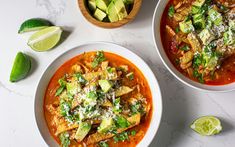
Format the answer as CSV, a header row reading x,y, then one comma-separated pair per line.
x,y
45,39
33,25
207,125
21,67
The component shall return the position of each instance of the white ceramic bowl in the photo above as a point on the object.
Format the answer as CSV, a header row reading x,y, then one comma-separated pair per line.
x,y
157,39
107,47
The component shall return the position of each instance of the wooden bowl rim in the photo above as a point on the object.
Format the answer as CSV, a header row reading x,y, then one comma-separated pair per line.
x,y
136,7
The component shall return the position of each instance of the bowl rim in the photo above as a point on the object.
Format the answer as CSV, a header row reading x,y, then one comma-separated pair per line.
x,y
109,25
156,97
167,63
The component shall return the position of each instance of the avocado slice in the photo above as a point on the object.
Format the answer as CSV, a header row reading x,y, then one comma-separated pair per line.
x,y
120,8
92,5
112,13
82,131
99,14
73,87
186,26
106,125
102,4
105,85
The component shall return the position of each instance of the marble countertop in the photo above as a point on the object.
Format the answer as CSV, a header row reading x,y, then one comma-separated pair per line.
x,y
181,104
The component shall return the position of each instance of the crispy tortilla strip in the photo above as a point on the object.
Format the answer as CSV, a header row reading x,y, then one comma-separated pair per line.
x,y
123,90
97,137
104,65
63,126
104,74
107,103
170,31
194,42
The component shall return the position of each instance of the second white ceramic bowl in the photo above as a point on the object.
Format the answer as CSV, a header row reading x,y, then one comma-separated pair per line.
x,y
158,43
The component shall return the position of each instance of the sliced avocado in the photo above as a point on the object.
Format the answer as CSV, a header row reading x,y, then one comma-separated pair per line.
x,y
102,4
186,26
215,16
99,14
105,85
92,5
112,13
82,131
199,21
120,8
73,87
206,36
106,125
229,37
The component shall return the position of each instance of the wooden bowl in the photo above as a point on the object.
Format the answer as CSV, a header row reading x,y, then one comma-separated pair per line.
x,y
86,13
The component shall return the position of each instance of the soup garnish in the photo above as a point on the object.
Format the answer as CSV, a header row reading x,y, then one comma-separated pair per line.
x,y
98,99
199,38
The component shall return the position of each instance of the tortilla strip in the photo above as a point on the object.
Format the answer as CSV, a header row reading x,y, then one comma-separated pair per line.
x,y
63,126
194,42
97,137
104,74
123,90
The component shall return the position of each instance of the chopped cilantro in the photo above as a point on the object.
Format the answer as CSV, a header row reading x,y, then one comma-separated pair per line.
x,y
59,90
98,59
177,29
110,70
185,48
64,107
103,144
121,122
121,137
117,108
64,139
171,11
62,83
133,132
81,79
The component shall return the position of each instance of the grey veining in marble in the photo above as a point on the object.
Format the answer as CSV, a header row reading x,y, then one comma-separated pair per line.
x,y
181,104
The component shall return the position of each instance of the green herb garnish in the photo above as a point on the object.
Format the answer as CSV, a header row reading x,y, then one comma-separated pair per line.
x,y
98,59
103,144
62,83
171,11
117,108
185,48
81,79
121,122
133,132
177,29
64,139
121,137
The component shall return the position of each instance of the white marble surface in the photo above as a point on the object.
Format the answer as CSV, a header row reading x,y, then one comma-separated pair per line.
x,y
181,104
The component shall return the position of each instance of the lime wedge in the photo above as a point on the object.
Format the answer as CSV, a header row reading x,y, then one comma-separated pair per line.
x,y
21,67
207,125
45,39
33,25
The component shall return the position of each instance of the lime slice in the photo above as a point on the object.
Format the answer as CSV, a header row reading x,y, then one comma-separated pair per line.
x,y
207,125
45,39
33,25
21,67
